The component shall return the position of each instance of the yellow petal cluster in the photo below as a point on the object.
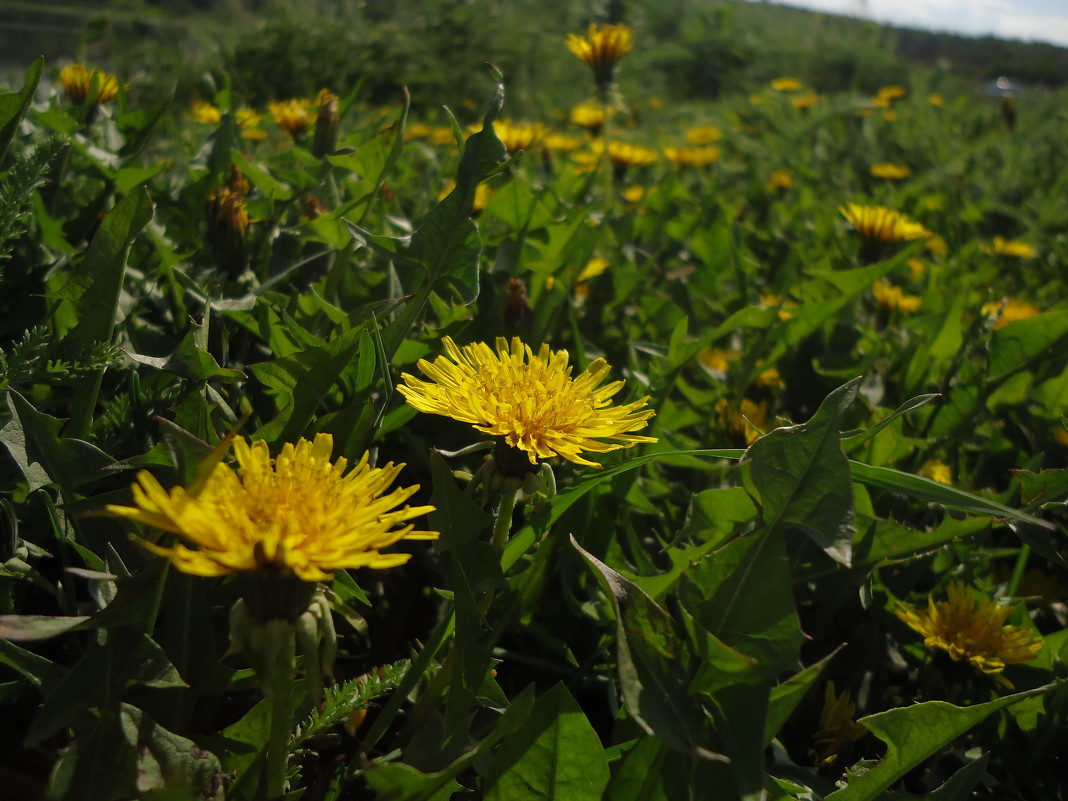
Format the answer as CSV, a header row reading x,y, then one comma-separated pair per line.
x,y
837,727
703,134
588,115
883,224
518,136
1008,310
786,85
78,80
530,399
892,172
601,48
972,630
299,514
295,115
893,298
1010,247
624,154
693,156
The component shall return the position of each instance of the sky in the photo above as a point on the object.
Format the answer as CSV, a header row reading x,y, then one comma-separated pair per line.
x,y
1033,20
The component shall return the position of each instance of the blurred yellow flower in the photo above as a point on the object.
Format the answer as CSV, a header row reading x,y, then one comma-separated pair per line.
x,y
936,100
916,267
773,301
561,143
973,630
299,514
804,102
633,194
478,203
1008,310
746,419
624,154
294,115
205,113
588,115
703,134
779,180
717,359
837,727
885,97
937,470
786,85
892,298
601,48
529,399
890,115
79,82
891,172
882,224
594,267
937,245
692,156
518,136
1010,247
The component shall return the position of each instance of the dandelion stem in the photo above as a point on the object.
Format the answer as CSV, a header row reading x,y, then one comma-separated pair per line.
x,y
503,524
1018,570
278,683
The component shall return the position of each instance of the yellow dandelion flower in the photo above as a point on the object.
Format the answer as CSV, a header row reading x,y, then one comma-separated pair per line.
x,y
656,103
248,121
79,82
561,143
530,399
717,359
746,419
770,379
483,193
633,194
518,136
972,630
703,134
294,115
882,224
779,181
916,267
786,85
692,156
837,727
1010,247
937,470
1008,310
935,100
601,49
205,113
299,514
885,97
937,245
782,304
805,102
588,115
892,172
624,154
893,298
594,267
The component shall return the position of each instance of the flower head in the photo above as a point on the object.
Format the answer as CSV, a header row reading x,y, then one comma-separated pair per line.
x,y
298,514
779,180
883,224
518,136
837,727
891,172
892,298
205,113
78,81
972,630
601,48
295,115
530,399
886,96
937,470
1010,247
624,154
804,102
703,134
786,85
1008,310
588,115
692,156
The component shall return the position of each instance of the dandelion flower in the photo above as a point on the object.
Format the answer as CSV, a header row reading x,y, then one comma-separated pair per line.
x,y
893,298
703,134
78,81
530,399
891,172
972,630
882,224
1008,310
837,727
805,102
588,115
937,470
786,85
886,96
518,136
248,121
299,514
935,100
205,113
779,180
294,115
624,154
601,48
747,419
692,156
1010,247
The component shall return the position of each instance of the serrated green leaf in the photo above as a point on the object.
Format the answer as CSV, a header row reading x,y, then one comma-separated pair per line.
x,y
800,477
556,756
913,734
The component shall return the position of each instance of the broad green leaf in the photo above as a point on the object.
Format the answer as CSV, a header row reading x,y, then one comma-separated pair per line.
x,y
651,771
556,756
913,734
800,478
26,628
650,657
785,697
13,105
1022,341
269,186
959,786
191,362
42,456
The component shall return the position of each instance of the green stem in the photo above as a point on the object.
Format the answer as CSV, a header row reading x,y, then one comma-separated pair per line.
x,y
281,650
1019,569
503,524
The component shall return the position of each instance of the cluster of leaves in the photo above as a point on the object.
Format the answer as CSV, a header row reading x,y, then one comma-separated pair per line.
x,y
663,625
